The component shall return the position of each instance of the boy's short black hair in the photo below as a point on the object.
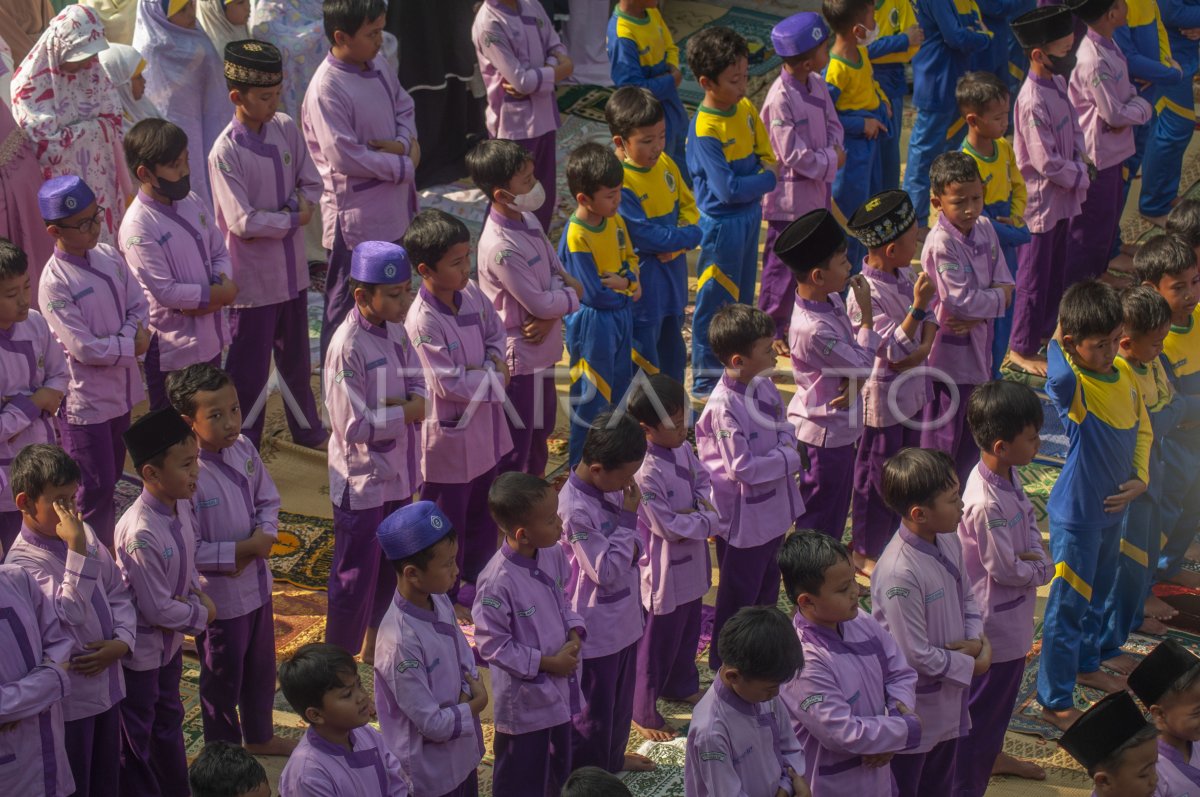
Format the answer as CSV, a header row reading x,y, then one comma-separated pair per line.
x,y
350,15
975,91
1145,310
735,328
352,285
494,162
41,466
655,399
594,782
592,166
511,496
760,643
843,15
153,142
1163,256
713,50
1090,309
1001,410
421,559
631,108
225,770
315,669
803,559
950,168
916,477
1113,761
431,234
1091,12
13,261
614,439
184,384
1184,222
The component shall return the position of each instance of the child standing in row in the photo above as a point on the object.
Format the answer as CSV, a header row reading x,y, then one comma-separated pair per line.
x,y
1116,746
898,39
1168,683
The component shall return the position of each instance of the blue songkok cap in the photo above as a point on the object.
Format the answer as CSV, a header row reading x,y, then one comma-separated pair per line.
x,y
411,529
380,263
799,33
60,197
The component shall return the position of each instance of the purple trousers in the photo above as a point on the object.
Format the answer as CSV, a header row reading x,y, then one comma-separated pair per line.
x,y
993,696
950,434
93,747
666,662
1092,231
153,757
361,580
826,486
468,788
777,292
100,452
531,763
156,378
872,523
237,677
10,527
926,774
749,577
280,330
1040,275
466,507
536,402
544,164
600,732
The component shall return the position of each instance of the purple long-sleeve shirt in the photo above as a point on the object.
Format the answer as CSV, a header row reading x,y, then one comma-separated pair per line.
x,y
317,768
1049,146
805,131
1105,102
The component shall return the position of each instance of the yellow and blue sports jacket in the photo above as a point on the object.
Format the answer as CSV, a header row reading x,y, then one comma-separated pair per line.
x,y
1177,16
726,154
953,31
1110,438
892,18
660,214
856,95
1143,40
1003,192
1181,350
589,252
641,52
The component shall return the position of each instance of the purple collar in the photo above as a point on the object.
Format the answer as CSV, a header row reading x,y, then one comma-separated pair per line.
x,y
878,274
213,456
997,480
1042,81
327,747
504,9
814,307
504,221
590,490
365,324
240,129
338,63
1184,765
53,545
142,196
662,452
802,623
516,558
732,384
74,260
956,233
732,699
1101,41
920,544
413,610
158,506
438,304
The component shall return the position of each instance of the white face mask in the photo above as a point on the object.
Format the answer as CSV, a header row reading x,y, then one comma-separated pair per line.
x,y
869,39
530,202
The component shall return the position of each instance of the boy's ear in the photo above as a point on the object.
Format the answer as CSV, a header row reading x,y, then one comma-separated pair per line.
x,y
705,83
313,714
23,503
520,535
618,143
730,675
340,37
148,473
143,174
916,513
1103,780
1068,342
935,201
235,96
971,119
803,601
424,270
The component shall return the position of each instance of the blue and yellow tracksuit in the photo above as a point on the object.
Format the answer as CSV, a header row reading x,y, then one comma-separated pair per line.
x,y
641,52
1176,114
660,213
997,17
1141,531
1003,197
600,333
1110,441
952,34
726,153
1018,61
857,98
1180,504
889,53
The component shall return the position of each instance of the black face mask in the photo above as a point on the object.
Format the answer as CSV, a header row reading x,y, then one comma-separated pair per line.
x,y
1062,65
175,190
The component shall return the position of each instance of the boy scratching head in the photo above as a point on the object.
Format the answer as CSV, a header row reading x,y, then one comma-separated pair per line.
x,y
612,453
254,77
355,29
322,685
14,284
760,651
1147,324
983,100
227,770
742,338
165,455
422,546
659,404
1090,318
72,216
1047,35
956,189
1117,747
802,41
439,246
1005,419
525,509
381,281
720,60
1167,264
818,577
921,486
43,479
852,21
638,125
156,152
206,398
503,171
1168,683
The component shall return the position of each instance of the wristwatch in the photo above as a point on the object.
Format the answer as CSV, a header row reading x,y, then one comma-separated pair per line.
x,y
917,313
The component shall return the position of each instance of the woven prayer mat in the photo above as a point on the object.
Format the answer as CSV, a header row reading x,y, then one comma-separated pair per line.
x,y
755,27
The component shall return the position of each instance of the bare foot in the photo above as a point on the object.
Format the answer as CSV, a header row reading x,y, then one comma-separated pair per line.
x,y
1105,682
1123,663
277,745
1159,609
863,563
1061,719
1152,627
1157,221
1035,365
463,614
1186,578
663,734
692,700
1007,765
636,762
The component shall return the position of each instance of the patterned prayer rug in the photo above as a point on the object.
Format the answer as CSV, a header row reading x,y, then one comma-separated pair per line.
x,y
755,28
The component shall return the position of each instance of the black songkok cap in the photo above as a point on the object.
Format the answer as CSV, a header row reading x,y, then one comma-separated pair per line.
x,y
154,433
882,219
809,241
1043,25
1165,665
1102,729
1090,10
253,63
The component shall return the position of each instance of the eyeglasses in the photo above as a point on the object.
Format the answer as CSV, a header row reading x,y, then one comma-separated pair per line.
x,y
87,226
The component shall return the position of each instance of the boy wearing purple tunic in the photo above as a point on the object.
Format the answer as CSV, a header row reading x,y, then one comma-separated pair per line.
x,y
81,581
265,187
1005,563
156,551
522,60
359,126
237,511
530,637
1117,747
598,507
522,275
97,311
903,308
921,597
850,705
1108,109
675,520
750,452
34,682
340,755
1168,682
33,376
177,254
962,256
375,396
460,342
428,692
740,740
831,357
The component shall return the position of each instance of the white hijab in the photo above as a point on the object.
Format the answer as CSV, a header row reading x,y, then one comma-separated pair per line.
x,y
121,63
211,15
